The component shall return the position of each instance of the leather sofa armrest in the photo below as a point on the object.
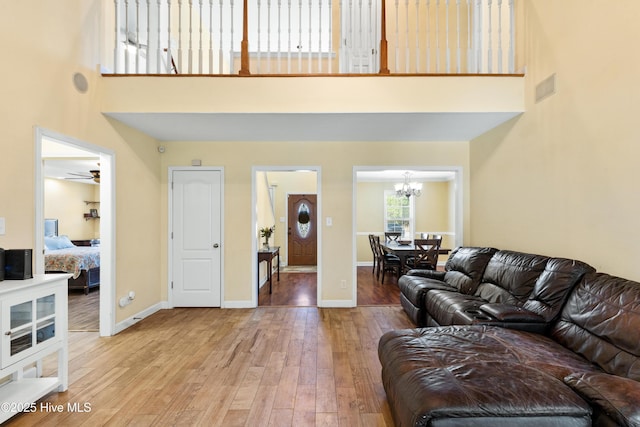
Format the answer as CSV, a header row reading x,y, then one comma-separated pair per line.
x,y
616,396
429,274
511,313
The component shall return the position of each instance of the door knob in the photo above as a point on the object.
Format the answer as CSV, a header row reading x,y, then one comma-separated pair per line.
x,y
215,245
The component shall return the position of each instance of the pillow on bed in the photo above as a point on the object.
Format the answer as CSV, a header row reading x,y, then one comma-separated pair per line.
x,y
58,242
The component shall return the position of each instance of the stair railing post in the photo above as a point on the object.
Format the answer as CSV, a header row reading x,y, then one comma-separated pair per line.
x,y
384,65
244,46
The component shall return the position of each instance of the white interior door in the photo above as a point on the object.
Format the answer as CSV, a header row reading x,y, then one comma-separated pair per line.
x,y
360,36
196,234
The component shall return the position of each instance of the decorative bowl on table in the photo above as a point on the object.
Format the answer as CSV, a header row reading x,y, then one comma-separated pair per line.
x,y
404,242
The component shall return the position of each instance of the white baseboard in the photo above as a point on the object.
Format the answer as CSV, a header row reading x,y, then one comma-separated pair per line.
x,y
335,303
121,326
238,304
365,264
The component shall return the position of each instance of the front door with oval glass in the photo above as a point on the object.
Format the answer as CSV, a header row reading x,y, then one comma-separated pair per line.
x,y
302,239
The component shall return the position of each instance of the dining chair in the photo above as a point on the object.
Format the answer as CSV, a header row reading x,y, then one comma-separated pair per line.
x,y
425,256
387,262
436,237
431,236
372,244
392,236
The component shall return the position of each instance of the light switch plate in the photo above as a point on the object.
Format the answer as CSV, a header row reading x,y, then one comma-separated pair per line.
x,y
329,221
2,227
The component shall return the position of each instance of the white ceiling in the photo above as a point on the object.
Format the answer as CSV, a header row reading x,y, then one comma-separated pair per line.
x,y
371,127
62,161
65,162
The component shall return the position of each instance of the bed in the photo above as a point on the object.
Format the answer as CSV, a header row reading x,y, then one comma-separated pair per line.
x,y
83,262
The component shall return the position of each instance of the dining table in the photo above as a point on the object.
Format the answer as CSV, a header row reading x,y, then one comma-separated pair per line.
x,y
406,250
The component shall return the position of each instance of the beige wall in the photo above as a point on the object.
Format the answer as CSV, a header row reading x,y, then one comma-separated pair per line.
x,y
264,207
66,202
48,42
38,91
336,161
562,179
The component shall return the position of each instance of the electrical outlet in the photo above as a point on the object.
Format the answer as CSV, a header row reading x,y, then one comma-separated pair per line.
x,y
2,227
343,284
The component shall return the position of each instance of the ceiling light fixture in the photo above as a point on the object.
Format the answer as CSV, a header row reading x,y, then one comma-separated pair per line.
x,y
407,188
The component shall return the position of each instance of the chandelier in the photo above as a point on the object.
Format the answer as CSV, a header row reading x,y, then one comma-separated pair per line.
x,y
407,188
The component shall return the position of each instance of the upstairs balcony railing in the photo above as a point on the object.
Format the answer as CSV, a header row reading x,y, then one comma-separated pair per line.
x,y
304,37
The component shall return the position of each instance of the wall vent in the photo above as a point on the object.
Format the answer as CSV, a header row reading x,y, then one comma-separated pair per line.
x,y
546,88
80,82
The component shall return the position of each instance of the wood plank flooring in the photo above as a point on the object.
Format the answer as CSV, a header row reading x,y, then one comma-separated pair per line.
x,y
270,366
299,289
286,363
84,310
294,289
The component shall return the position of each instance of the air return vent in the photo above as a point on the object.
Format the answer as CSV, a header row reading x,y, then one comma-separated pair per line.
x,y
546,88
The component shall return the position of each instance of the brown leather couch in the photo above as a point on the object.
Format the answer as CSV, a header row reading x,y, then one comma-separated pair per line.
x,y
492,287
585,371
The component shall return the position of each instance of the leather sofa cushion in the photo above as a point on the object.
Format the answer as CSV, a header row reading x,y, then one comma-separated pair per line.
x,y
465,267
600,321
414,288
428,274
617,397
510,277
410,349
478,374
443,305
553,286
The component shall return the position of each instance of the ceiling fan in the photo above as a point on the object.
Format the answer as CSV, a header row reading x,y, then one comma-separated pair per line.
x,y
93,174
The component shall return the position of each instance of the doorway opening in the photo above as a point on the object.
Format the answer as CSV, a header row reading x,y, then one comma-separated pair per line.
x,y
436,211
287,200
60,160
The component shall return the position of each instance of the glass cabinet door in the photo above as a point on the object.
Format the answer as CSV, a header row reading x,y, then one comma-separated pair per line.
x,y
31,322
46,318
21,321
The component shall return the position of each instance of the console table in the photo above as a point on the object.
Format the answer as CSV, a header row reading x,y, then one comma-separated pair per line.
x,y
268,254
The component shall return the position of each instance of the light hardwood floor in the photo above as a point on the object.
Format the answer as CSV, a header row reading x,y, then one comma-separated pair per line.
x,y
84,310
276,366
293,289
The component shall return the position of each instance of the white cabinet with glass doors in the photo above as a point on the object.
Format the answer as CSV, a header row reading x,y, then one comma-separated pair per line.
x,y
33,316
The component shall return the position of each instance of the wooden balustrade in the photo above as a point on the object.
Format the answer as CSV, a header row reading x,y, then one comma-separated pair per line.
x,y
309,37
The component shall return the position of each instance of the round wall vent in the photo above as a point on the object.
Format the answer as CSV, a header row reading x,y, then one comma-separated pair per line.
x,y
80,82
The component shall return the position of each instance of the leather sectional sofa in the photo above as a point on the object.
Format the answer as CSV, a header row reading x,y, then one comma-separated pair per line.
x,y
490,286
578,364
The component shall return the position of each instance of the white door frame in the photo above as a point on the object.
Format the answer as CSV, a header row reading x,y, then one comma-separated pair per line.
x,y
170,225
107,221
458,203
254,225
